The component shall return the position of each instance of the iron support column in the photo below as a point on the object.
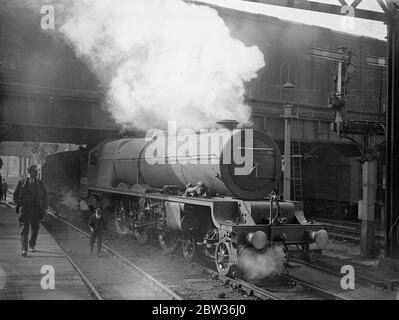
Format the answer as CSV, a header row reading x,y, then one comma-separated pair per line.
x,y
367,234
392,132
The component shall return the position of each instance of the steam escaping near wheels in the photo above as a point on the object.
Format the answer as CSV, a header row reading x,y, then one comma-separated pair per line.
x,y
255,265
70,200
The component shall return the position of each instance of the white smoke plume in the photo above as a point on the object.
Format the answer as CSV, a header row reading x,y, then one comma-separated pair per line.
x,y
70,201
83,205
256,265
163,60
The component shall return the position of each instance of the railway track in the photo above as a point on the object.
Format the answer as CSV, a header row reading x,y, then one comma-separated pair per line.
x,y
98,288
369,285
154,282
349,231
327,282
334,270
126,261
237,284
259,290
328,294
92,289
361,277
307,290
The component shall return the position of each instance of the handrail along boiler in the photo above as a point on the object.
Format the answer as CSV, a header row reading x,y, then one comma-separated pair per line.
x,y
202,205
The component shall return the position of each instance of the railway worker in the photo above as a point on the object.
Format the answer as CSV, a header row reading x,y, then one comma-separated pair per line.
x,y
96,225
197,190
4,189
30,197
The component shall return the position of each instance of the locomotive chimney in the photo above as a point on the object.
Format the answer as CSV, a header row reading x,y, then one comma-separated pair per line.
x,y
228,124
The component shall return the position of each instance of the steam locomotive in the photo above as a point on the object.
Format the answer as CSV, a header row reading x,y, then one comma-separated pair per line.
x,y
201,199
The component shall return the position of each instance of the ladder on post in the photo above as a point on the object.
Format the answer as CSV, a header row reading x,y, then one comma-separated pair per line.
x,y
296,161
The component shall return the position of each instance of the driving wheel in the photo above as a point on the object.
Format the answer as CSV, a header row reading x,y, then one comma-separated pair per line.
x,y
223,259
168,241
188,247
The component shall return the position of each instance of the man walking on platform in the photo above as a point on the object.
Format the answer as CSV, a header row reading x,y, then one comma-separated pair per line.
x,y
31,199
4,189
96,224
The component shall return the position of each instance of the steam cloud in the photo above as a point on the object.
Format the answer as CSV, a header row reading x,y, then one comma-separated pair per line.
x,y
257,265
72,202
163,60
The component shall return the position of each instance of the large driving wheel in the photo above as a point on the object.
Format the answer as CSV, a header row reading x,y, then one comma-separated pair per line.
x,y
141,236
223,259
168,241
188,247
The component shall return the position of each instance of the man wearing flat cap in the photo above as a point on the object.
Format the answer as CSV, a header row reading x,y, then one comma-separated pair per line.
x,y
31,199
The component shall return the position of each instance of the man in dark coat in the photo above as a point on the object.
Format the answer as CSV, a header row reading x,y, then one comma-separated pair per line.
x,y
96,225
4,189
31,199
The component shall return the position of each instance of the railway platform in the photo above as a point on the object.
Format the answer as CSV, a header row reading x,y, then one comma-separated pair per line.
x,y
30,278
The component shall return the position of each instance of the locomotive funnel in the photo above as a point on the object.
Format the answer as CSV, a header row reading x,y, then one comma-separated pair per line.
x,y
257,239
228,124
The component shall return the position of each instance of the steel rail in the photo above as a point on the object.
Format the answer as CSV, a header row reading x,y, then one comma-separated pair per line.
x,y
86,281
359,278
236,284
83,276
126,261
313,287
348,234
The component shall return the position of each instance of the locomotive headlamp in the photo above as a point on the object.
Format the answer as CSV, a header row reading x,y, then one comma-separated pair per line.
x,y
257,239
320,238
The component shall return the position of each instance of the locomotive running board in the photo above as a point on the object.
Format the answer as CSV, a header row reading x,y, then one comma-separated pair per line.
x,y
218,206
159,196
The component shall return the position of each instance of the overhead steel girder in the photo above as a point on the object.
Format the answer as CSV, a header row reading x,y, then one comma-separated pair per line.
x,y
319,7
53,115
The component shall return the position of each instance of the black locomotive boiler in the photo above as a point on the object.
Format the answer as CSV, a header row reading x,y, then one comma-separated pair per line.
x,y
194,198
